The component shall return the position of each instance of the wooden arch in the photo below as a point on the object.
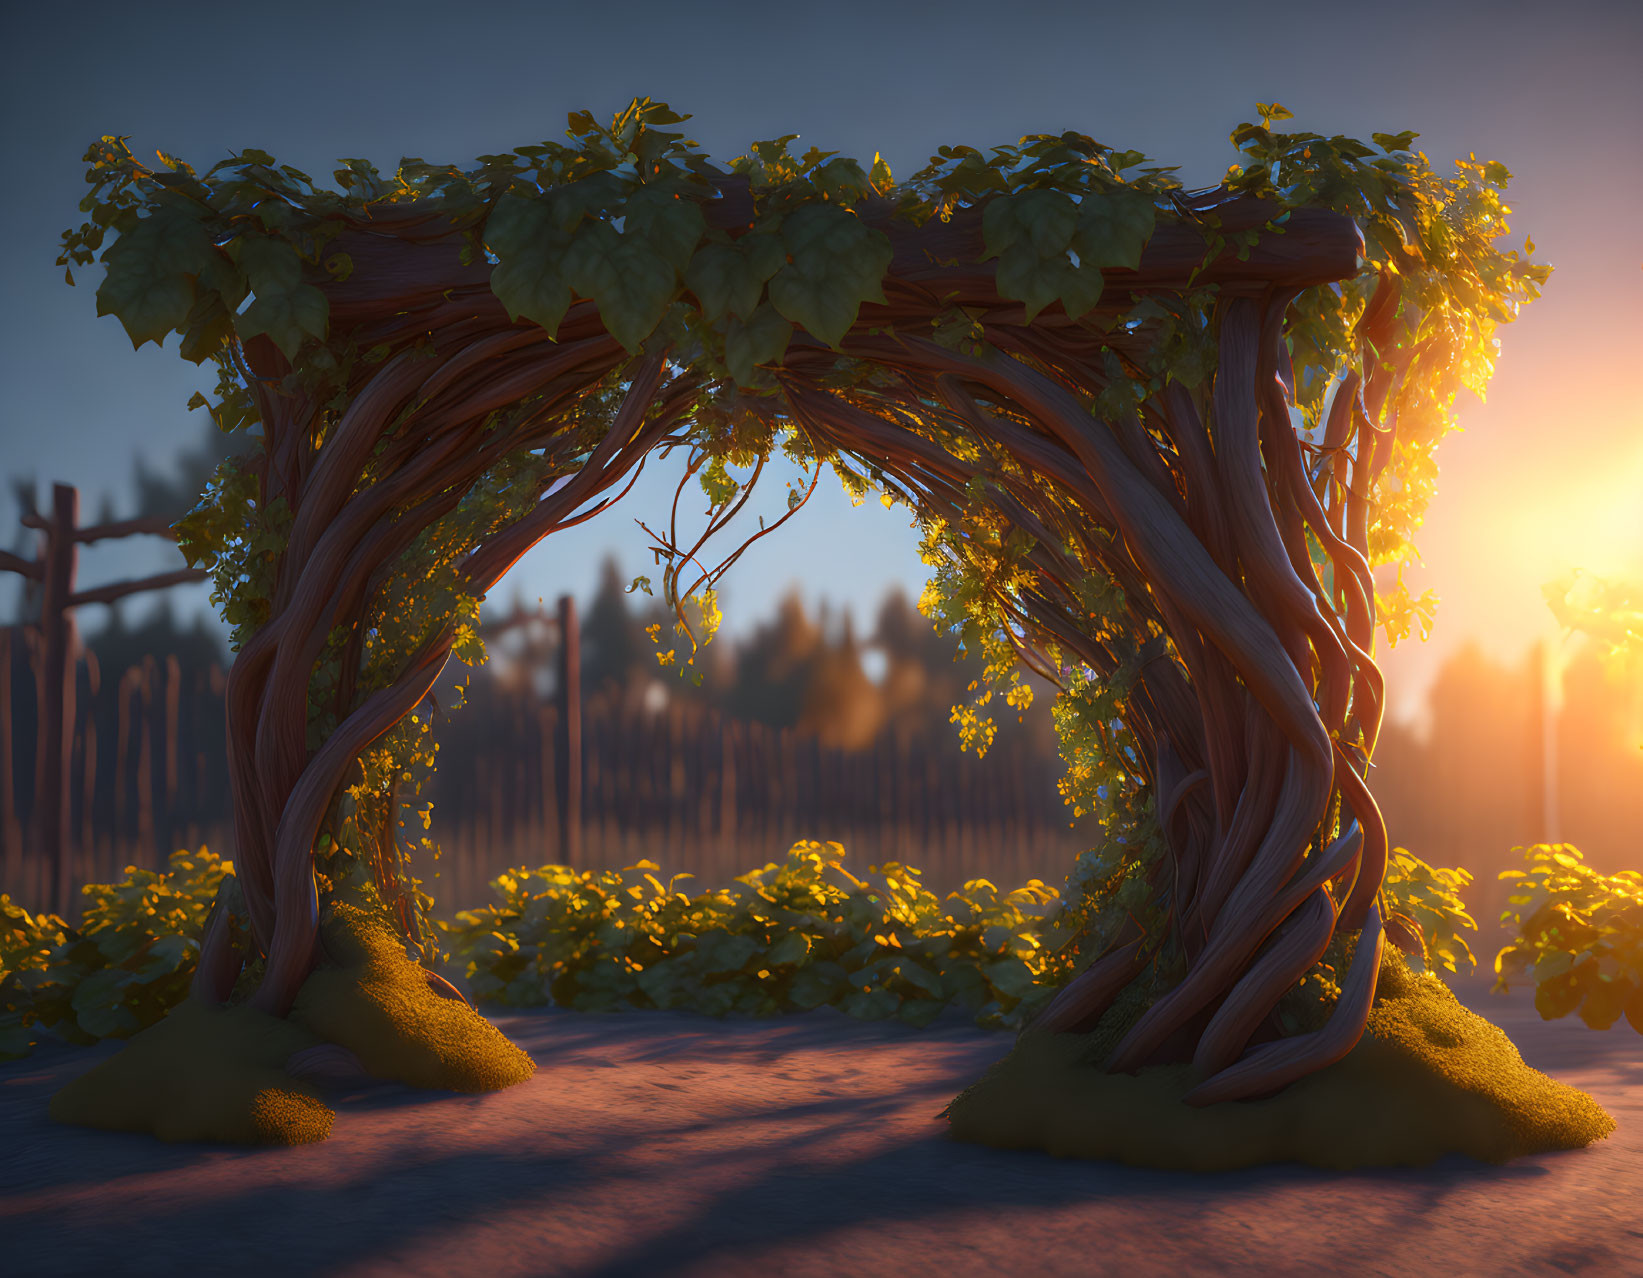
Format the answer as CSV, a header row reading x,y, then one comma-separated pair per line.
x,y
1253,702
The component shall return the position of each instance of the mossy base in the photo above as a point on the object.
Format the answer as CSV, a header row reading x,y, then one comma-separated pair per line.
x,y
1428,1078
202,1073
217,1073
373,1000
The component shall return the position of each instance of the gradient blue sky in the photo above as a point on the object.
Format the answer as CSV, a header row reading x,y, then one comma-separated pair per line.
x,y
1548,475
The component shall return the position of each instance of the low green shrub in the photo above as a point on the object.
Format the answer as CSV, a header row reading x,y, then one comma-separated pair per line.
x,y
127,964
1579,937
794,935
1426,901
789,937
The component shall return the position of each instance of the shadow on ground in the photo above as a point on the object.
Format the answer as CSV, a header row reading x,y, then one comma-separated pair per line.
x,y
659,1143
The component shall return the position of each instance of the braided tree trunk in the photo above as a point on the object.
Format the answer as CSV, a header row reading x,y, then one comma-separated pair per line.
x,y
417,433
1270,704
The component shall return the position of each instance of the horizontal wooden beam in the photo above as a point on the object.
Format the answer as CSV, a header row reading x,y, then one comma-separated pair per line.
x,y
120,589
27,567
158,525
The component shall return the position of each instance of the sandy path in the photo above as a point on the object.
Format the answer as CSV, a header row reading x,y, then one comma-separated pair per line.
x,y
655,1143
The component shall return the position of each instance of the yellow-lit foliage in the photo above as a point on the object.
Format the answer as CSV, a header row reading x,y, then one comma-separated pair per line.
x,y
1608,610
1579,937
1427,901
121,970
792,936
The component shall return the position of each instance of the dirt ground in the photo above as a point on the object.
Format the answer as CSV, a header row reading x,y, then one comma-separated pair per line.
x,y
656,1143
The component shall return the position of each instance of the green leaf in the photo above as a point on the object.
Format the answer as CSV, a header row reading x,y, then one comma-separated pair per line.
x,y
841,180
761,339
208,326
16,1039
816,984
1551,965
284,308
871,1005
721,952
286,317
717,483
517,225
1604,1003
165,955
1081,289
1043,220
270,265
838,263
106,985
588,196
1557,997
151,271
881,176
108,1021
1010,976
529,278
792,948
667,224
1394,141
223,277
1029,278
631,284
730,278
1113,228
660,980
921,976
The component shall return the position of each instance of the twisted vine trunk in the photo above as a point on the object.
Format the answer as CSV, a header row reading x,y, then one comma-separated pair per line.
x,y
417,435
1255,731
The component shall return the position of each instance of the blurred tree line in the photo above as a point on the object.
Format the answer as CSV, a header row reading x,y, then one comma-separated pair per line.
x,y
1482,778
791,670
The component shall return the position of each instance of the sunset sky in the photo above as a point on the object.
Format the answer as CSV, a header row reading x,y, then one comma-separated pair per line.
x,y
1547,476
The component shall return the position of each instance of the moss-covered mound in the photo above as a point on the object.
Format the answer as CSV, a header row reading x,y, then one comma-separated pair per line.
x,y
1428,1078
218,1073
202,1073
371,998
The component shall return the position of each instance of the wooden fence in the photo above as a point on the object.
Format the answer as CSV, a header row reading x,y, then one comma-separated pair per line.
x,y
145,772
697,792
54,651
683,786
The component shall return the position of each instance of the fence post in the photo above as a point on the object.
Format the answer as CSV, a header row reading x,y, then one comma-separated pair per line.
x,y
10,835
569,772
173,708
145,763
52,801
88,770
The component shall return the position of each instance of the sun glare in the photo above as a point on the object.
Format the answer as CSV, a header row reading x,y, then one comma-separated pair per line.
x,y
1594,524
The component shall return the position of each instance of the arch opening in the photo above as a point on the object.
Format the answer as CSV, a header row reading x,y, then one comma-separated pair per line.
x,y
1082,380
